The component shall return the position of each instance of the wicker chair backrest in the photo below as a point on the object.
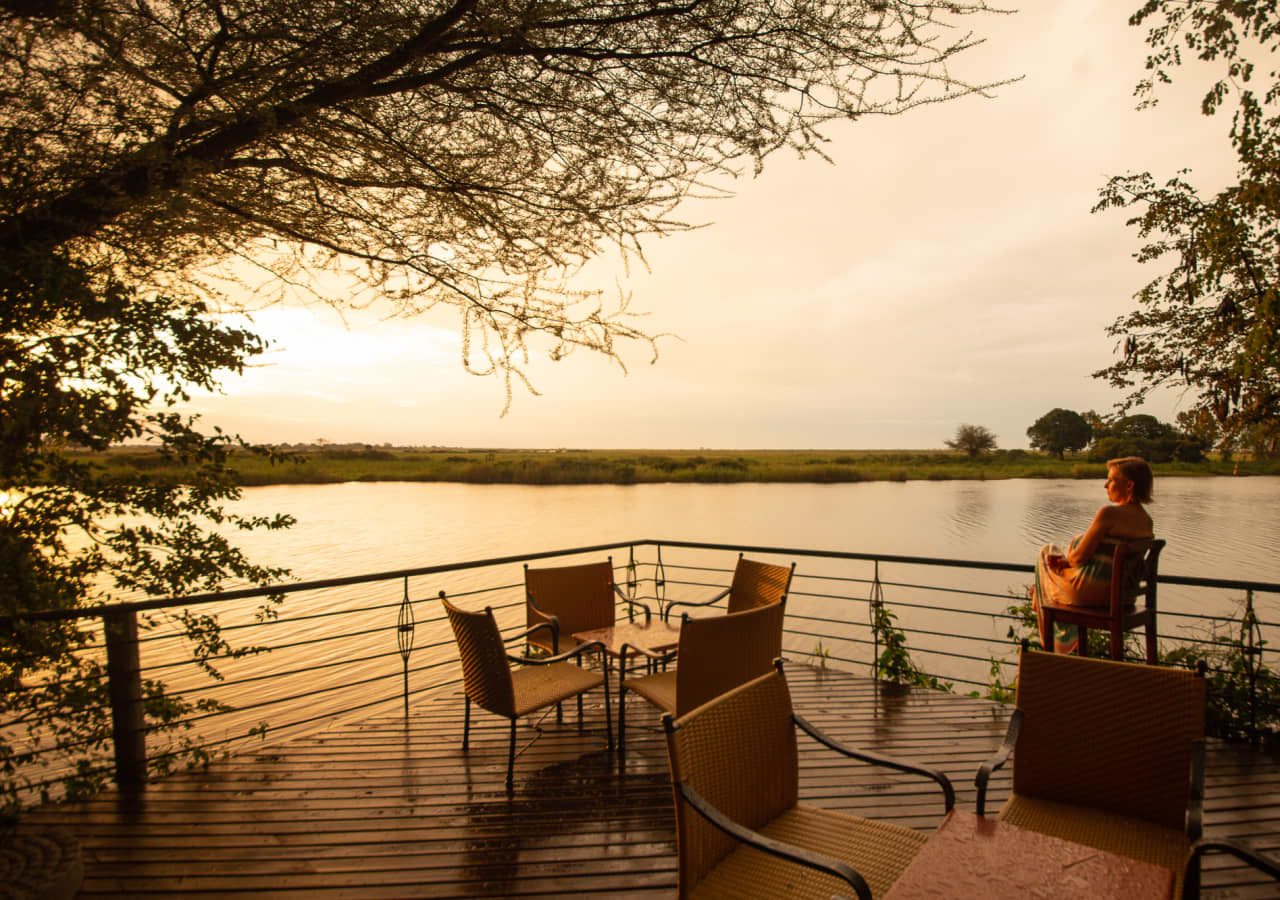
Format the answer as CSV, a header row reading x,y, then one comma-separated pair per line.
x,y
1108,735
758,584
581,597
739,753
718,653
486,673
1133,572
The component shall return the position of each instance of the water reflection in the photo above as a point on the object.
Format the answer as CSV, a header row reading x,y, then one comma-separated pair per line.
x,y
1216,527
972,511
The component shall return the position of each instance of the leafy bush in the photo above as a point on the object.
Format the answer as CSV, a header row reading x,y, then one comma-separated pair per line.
x,y
1244,695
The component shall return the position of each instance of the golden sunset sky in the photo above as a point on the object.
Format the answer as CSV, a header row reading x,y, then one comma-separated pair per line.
x,y
945,268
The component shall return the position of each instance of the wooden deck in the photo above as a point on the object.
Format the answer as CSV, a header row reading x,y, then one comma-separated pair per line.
x,y
389,808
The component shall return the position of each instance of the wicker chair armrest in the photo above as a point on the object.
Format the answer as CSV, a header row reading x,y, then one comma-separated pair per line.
x,y
1195,798
552,624
659,655
790,852
1000,757
948,792
1191,875
591,646
648,613
666,614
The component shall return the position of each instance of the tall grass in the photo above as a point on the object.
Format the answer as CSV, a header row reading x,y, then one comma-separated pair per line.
x,y
323,465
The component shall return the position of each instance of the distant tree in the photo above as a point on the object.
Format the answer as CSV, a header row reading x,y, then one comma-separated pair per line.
x,y
1146,436
1199,424
1060,430
1211,322
973,440
1142,427
1263,441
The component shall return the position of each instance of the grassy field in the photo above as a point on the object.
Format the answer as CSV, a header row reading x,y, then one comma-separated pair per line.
x,y
332,464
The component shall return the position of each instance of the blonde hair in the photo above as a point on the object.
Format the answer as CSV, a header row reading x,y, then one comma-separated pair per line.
x,y
1138,472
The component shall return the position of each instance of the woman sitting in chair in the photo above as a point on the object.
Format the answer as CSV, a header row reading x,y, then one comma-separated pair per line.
x,y
1082,575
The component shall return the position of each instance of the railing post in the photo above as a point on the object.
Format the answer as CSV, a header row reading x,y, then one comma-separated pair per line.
x,y
1251,649
874,603
404,639
660,580
124,685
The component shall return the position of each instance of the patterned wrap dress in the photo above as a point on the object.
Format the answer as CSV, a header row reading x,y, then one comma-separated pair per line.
x,y
1088,584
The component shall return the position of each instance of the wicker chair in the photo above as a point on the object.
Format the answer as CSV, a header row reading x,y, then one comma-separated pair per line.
x,y
717,653
735,774
754,584
1107,754
1133,572
571,599
1191,879
492,684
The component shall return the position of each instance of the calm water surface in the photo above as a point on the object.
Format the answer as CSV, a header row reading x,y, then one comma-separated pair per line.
x,y
1215,527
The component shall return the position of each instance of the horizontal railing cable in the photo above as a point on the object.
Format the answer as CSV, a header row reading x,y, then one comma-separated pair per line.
x,y
268,648
397,698
329,689
298,587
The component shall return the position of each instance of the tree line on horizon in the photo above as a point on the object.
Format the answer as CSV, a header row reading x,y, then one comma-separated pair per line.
x,y
1061,431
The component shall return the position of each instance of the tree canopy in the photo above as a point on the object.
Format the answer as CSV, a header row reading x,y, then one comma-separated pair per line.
x,y
1060,430
974,440
457,152
1211,324
1146,436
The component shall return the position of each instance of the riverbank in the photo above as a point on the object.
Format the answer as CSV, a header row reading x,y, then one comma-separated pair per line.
x,y
332,465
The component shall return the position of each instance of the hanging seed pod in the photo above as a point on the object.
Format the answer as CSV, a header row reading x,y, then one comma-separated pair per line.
x,y
1191,269
1227,308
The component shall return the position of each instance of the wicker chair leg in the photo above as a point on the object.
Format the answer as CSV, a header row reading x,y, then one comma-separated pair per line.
x,y
1117,642
1152,653
1082,640
622,719
511,756
466,723
608,718
559,713
579,712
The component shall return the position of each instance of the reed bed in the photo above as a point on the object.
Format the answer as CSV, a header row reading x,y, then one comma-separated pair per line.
x,y
336,464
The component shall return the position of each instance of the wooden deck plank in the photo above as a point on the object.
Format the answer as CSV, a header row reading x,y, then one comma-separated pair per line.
x,y
391,807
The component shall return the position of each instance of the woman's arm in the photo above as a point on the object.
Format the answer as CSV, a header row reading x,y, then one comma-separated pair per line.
x,y
1093,536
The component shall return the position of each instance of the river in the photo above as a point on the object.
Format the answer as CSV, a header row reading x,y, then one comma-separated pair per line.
x,y
1215,527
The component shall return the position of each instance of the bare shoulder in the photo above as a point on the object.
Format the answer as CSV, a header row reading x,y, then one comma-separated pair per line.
x,y
1129,521
1107,515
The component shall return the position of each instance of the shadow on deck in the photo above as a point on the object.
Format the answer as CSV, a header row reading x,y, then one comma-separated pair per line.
x,y
392,808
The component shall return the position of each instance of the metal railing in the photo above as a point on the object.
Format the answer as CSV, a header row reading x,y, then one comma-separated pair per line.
x,y
364,643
